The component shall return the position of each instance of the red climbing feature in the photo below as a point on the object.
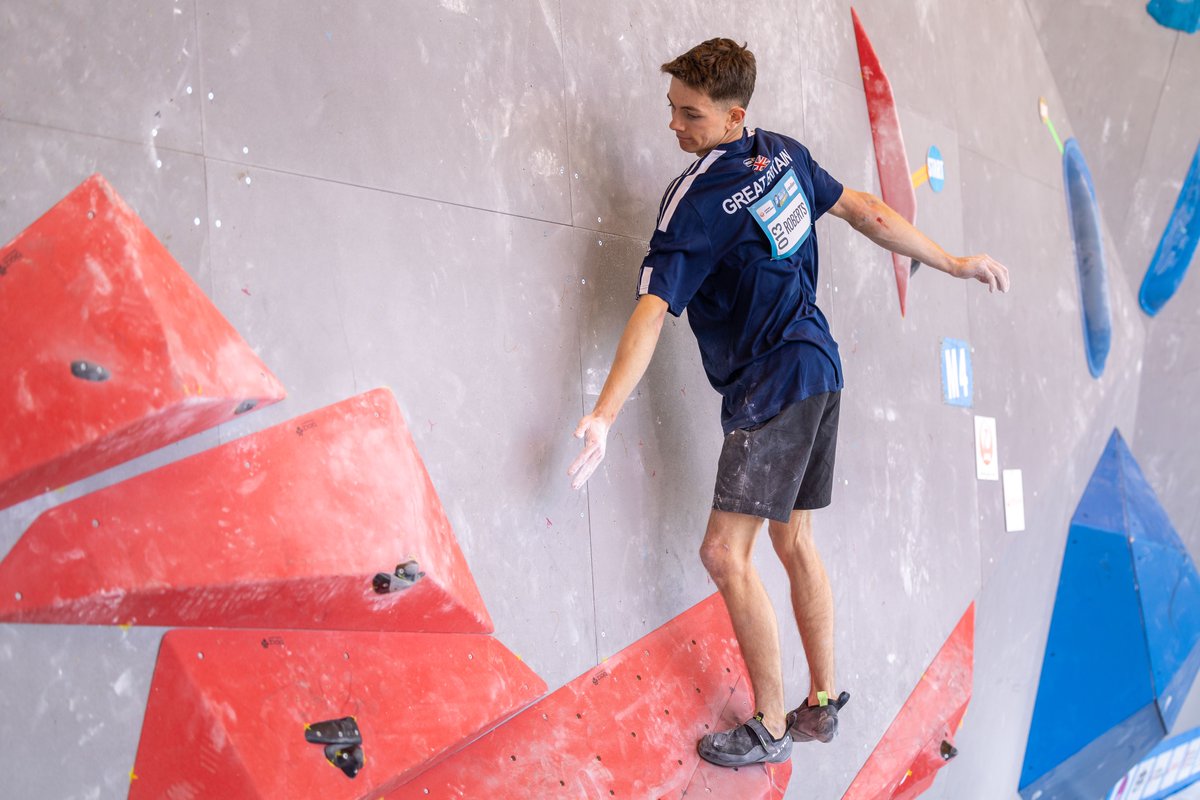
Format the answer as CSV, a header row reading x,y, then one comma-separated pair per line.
x,y
229,710
289,527
920,740
626,729
110,349
895,181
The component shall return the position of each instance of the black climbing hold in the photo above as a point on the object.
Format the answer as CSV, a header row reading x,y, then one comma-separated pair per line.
x,y
342,740
405,576
343,731
949,751
349,759
244,406
88,371
912,270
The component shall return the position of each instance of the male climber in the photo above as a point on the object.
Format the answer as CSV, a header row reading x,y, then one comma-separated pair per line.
x,y
735,245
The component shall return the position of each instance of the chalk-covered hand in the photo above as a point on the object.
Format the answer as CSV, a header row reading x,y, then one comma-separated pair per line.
x,y
984,269
594,432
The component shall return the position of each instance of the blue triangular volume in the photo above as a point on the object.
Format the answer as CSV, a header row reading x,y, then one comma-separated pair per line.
x,y
1141,500
1095,677
1123,631
1101,506
1092,772
1169,588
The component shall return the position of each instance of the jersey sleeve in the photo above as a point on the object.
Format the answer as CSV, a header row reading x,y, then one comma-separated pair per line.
x,y
827,190
679,259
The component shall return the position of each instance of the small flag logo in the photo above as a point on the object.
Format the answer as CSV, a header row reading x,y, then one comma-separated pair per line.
x,y
758,164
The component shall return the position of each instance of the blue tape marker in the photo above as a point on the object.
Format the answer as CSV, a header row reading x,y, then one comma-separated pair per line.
x,y
937,168
1177,246
957,377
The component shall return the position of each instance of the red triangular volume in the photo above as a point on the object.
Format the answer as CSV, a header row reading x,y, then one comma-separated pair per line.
x,y
110,350
627,729
895,182
920,739
285,528
228,710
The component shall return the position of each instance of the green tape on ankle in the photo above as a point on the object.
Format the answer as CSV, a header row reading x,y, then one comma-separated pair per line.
x,y
822,699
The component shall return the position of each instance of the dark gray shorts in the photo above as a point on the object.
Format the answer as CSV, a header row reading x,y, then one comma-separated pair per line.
x,y
783,464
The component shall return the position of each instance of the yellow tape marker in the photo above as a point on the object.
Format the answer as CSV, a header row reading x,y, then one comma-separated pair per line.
x,y
920,176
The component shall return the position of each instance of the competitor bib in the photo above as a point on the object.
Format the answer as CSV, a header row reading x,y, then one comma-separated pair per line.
x,y
784,216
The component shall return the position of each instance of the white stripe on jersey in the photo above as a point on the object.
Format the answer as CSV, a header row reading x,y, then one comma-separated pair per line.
x,y
708,161
666,198
644,283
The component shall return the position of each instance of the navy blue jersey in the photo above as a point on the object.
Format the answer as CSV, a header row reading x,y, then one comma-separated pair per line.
x,y
735,246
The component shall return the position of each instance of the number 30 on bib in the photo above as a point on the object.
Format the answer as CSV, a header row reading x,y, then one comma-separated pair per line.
x,y
784,216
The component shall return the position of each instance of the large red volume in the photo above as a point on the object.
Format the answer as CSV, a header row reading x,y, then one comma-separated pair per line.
x,y
626,729
895,182
283,528
920,739
228,710
110,350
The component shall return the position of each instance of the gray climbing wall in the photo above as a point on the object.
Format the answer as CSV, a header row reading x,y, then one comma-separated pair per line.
x,y
452,198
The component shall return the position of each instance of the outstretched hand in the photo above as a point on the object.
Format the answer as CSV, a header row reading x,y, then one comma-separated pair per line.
x,y
594,432
984,269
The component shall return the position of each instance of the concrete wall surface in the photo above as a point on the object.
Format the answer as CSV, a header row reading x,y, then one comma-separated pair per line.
x,y
452,198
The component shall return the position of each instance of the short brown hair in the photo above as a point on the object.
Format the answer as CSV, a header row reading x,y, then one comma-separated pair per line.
x,y
721,68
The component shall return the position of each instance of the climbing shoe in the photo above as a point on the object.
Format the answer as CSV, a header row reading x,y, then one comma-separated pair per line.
x,y
816,723
746,744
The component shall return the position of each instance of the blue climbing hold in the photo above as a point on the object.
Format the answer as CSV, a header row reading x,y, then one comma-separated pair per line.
x,y
1177,246
1084,217
1182,15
